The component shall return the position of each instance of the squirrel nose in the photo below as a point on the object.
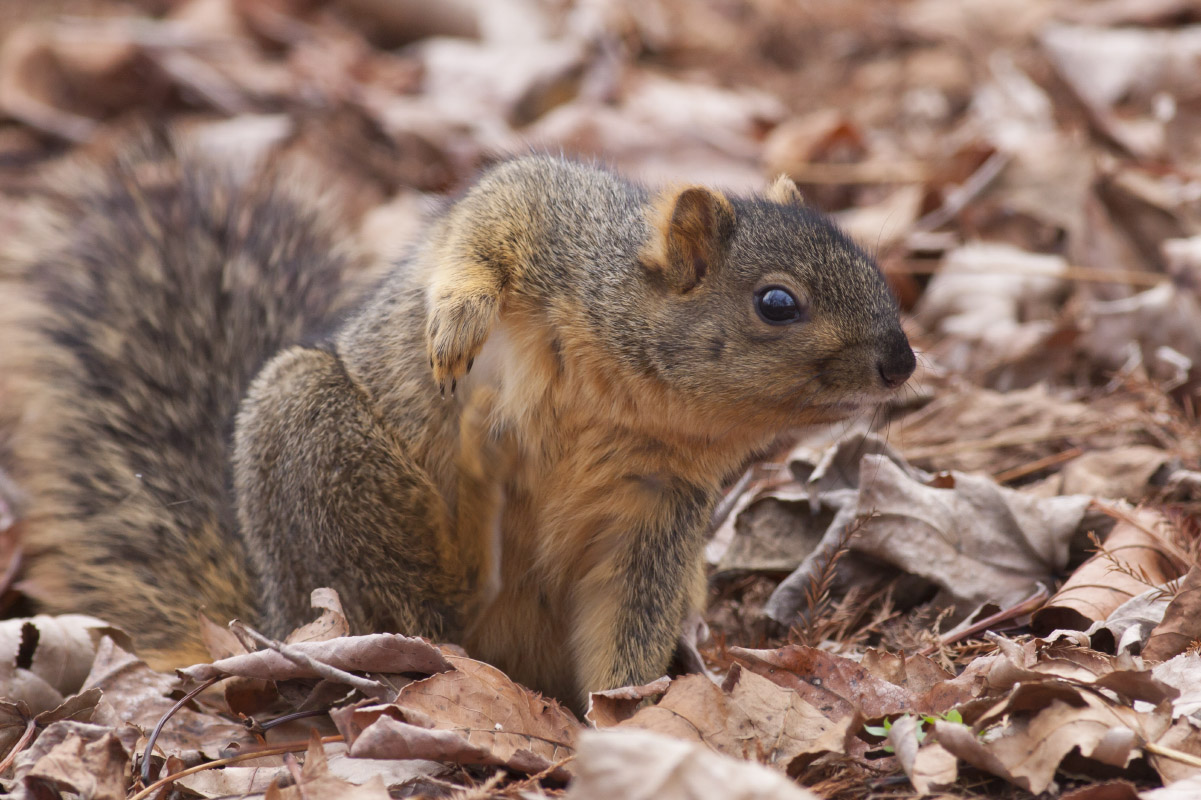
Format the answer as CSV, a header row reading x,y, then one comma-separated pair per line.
x,y
896,367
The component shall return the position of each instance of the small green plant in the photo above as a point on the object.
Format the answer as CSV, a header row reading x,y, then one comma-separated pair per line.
x,y
927,719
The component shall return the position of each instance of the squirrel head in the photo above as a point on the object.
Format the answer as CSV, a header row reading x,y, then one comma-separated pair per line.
x,y
762,308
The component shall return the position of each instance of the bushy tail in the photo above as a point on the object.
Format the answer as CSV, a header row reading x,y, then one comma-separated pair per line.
x,y
140,294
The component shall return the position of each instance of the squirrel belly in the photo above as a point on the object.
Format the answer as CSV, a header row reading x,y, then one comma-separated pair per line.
x,y
514,440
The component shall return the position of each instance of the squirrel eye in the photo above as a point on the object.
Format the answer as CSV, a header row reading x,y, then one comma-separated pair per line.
x,y
777,306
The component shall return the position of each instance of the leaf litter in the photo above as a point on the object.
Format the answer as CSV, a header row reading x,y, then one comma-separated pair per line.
x,y
990,588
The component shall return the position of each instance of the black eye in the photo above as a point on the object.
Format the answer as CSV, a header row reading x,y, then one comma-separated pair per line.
x,y
777,306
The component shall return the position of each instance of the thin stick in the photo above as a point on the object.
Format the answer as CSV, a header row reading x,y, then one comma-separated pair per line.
x,y
1083,274
1175,755
959,197
1002,440
365,685
531,780
30,726
1172,549
1028,606
290,747
1034,466
163,721
861,172
262,727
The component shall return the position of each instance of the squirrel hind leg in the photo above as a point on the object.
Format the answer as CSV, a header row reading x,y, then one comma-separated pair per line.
x,y
328,496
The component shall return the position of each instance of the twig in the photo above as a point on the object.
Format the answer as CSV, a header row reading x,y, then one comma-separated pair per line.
x,y
817,592
145,772
1027,606
1175,755
254,726
730,499
289,747
1072,273
546,773
782,607
30,726
482,791
861,172
1038,464
1172,550
959,197
1003,440
365,685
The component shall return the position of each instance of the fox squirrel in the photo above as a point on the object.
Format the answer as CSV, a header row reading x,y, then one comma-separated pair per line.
x,y
512,441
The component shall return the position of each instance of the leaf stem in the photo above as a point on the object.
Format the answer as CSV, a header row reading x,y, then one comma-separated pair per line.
x,y
288,747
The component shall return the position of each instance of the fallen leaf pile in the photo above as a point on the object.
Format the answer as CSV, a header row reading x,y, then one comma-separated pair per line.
x,y
990,587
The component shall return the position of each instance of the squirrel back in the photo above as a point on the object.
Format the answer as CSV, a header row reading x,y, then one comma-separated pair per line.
x,y
143,290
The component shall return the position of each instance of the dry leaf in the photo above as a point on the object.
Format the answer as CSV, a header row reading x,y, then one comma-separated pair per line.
x,y
1041,723
712,131
641,765
979,430
472,714
1125,66
134,693
1185,789
1184,674
233,781
1160,328
879,227
696,709
1127,627
1106,790
1183,737
1035,661
747,717
1123,473
392,23
836,685
1132,562
316,780
929,766
487,82
92,769
994,303
388,653
15,717
1181,626
784,730
612,706
917,673
330,625
976,540
44,659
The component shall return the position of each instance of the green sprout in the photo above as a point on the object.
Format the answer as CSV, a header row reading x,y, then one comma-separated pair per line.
x,y
927,719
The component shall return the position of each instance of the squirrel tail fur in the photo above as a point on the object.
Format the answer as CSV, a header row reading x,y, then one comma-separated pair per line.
x,y
143,290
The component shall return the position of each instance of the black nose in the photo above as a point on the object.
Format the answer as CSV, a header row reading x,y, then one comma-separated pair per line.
x,y
898,364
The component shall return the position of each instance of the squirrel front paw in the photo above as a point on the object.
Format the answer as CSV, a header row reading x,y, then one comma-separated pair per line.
x,y
457,329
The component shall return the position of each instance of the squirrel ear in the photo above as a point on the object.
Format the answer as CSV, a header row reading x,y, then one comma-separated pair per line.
x,y
784,192
694,226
